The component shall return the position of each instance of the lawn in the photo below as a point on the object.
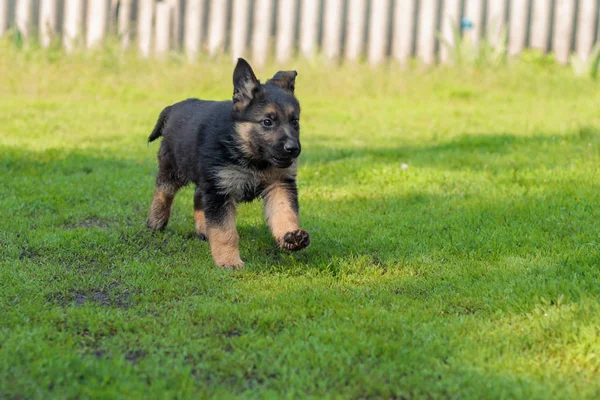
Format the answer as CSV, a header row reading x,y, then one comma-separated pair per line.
x,y
455,222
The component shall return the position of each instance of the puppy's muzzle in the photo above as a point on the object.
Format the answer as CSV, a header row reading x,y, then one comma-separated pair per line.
x,y
291,149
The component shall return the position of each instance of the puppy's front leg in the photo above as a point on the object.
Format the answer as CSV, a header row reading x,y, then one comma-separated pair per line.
x,y
281,212
222,234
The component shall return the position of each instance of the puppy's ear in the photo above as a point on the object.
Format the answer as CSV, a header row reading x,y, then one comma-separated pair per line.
x,y
285,80
245,85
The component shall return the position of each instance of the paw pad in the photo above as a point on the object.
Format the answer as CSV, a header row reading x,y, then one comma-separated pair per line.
x,y
296,240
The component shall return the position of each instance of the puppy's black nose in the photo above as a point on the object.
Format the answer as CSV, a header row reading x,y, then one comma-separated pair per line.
x,y
292,147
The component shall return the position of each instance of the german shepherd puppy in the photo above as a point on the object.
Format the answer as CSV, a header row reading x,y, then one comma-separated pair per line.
x,y
233,151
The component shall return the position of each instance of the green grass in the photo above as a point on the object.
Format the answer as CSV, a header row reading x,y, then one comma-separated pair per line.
x,y
473,273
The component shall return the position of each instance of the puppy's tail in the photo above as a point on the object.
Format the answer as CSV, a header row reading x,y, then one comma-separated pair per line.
x,y
158,129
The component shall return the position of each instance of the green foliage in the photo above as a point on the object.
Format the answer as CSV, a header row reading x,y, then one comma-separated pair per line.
x,y
15,37
464,53
587,66
542,62
454,219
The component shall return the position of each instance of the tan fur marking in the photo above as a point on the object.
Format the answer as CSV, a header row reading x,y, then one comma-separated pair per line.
x,y
224,242
160,209
270,110
279,213
200,221
239,106
291,110
244,130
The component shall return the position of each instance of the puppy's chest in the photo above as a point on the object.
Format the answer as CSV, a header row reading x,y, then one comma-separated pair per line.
x,y
244,184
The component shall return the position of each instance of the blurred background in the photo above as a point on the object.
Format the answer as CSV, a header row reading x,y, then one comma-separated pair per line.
x,y
432,31
448,178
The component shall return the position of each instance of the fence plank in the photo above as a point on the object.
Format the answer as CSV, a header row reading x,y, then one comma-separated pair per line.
x,y
176,14
96,22
72,23
540,24
378,31
518,26
572,22
124,23
144,27
403,30
216,27
261,37
239,28
598,27
23,13
162,32
450,22
474,12
111,20
309,27
427,31
586,25
47,22
355,29
193,25
496,21
285,30
3,16
332,39
563,29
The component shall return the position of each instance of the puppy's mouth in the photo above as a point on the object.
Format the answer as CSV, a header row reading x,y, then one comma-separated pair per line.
x,y
282,162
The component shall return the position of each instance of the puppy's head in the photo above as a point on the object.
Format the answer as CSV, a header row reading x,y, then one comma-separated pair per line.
x,y
266,116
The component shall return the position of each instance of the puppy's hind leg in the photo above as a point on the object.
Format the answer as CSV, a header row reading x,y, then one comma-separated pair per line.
x,y
167,185
199,218
160,209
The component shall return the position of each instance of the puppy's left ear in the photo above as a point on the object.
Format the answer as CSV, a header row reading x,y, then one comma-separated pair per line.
x,y
285,80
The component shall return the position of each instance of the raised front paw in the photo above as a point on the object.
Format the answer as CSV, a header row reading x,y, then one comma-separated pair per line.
x,y
295,240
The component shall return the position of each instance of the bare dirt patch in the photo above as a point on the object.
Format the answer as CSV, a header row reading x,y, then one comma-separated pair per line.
x,y
112,295
90,222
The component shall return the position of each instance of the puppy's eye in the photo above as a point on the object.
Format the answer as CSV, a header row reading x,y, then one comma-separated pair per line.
x,y
267,122
295,123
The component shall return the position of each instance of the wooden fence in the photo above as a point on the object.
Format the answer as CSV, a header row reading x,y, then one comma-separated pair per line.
x,y
375,30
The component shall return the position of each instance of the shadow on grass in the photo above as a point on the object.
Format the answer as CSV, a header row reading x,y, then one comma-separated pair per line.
x,y
80,191
493,150
74,233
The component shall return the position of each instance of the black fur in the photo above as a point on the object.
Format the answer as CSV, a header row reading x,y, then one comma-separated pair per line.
x,y
157,131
